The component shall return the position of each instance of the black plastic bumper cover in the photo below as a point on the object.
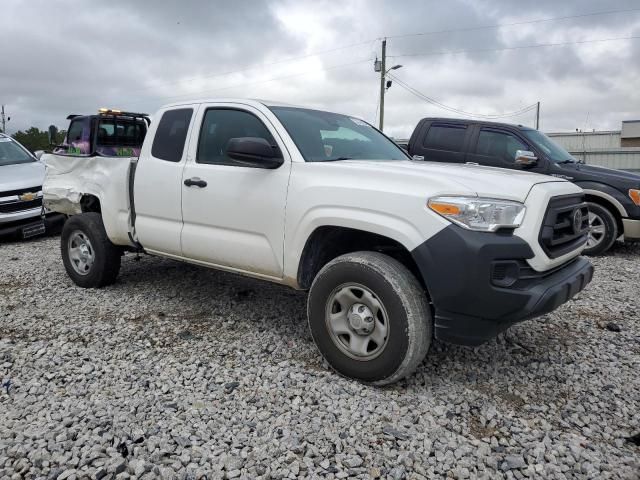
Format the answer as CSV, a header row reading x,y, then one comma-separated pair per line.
x,y
51,221
456,265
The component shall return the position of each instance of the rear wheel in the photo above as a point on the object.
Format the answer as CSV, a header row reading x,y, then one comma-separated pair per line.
x,y
603,229
369,317
89,257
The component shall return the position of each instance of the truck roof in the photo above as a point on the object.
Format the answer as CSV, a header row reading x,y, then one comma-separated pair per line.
x,y
482,122
247,101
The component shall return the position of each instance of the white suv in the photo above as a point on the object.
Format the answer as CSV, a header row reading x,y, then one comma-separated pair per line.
x,y
21,177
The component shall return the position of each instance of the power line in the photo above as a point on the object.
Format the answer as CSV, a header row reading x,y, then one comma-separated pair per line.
x,y
519,47
435,102
365,42
524,22
257,65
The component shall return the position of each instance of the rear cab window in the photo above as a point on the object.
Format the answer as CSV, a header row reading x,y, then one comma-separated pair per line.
x,y
171,134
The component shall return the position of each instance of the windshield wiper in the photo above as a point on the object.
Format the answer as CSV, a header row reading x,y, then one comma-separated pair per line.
x,y
568,160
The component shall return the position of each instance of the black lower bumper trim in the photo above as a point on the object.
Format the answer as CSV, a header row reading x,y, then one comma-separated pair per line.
x,y
457,267
51,221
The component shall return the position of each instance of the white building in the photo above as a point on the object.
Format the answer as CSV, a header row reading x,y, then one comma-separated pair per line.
x,y
614,149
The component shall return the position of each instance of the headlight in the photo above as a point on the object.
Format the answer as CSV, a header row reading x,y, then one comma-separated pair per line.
x,y
635,196
480,214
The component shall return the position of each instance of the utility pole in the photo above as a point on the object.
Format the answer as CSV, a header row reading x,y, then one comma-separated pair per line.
x,y
383,72
381,66
3,120
537,115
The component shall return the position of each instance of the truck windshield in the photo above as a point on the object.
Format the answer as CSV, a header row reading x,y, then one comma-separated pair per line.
x,y
554,152
12,153
326,137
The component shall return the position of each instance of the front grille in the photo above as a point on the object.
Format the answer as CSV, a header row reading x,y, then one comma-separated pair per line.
x,y
11,193
565,225
20,206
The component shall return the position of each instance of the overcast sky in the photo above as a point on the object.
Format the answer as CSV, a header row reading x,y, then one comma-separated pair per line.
x,y
74,56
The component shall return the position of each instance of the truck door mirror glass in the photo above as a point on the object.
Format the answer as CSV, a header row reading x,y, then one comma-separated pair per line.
x,y
53,135
525,158
254,152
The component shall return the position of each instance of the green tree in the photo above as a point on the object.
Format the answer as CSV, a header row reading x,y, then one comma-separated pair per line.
x,y
35,139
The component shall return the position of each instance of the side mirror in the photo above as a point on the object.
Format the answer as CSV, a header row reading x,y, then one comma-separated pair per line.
x,y
525,158
254,152
53,135
38,154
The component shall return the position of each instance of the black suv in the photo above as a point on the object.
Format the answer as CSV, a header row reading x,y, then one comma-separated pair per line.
x,y
613,195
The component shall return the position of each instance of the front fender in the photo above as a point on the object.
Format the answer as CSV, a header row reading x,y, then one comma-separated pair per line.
x,y
608,193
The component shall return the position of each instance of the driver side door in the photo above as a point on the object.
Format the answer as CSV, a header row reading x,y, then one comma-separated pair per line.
x,y
233,217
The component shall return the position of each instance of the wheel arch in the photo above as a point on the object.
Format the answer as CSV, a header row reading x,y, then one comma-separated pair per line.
x,y
90,203
610,203
328,242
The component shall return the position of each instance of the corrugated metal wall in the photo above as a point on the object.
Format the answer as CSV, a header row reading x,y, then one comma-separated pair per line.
x,y
599,148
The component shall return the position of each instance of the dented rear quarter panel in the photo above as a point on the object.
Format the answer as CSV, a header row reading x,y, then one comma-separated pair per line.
x,y
69,178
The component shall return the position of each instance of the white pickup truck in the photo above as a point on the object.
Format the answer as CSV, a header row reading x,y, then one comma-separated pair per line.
x,y
393,251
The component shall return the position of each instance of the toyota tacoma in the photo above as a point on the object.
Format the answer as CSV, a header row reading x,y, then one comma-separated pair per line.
x,y
393,251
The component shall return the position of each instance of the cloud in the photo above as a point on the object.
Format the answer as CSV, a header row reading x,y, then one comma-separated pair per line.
x,y
69,57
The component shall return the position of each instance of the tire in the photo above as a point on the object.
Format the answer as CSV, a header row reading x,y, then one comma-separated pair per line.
x,y
604,230
89,257
390,338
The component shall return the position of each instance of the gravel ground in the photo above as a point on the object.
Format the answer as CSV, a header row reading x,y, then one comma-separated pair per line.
x,y
181,372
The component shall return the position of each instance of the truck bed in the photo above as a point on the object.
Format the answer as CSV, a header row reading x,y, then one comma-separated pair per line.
x,y
71,181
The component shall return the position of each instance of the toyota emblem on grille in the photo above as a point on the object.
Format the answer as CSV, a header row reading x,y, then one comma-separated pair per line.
x,y
577,220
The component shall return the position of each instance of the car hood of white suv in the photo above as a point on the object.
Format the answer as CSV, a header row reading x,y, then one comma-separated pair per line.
x,y
21,175
491,182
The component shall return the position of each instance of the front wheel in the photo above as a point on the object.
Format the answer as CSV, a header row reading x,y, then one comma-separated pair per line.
x,y
603,230
369,317
89,257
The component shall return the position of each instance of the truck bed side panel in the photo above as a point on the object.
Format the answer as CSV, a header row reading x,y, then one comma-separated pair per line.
x,y
69,178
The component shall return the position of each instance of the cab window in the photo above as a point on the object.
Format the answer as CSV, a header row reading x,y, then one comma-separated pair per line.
x,y
445,137
75,131
171,134
221,125
497,144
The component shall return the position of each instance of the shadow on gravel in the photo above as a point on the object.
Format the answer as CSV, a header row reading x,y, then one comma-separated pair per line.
x,y
227,305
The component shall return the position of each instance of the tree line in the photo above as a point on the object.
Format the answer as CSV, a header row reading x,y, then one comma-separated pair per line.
x,y
35,139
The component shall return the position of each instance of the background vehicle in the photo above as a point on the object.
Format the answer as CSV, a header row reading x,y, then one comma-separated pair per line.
x,y
109,133
392,251
21,177
613,196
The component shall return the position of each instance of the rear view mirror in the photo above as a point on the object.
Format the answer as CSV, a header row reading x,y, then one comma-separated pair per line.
x,y
254,152
525,158
53,135
38,154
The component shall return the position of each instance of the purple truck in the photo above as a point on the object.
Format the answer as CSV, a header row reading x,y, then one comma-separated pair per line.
x,y
110,133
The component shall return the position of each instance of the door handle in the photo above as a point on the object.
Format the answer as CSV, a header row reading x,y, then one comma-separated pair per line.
x,y
195,182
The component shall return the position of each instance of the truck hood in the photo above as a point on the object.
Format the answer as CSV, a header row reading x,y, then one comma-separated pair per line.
x,y
482,181
21,175
580,172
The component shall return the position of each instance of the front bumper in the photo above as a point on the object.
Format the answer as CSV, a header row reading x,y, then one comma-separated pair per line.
x,y
15,227
480,283
631,229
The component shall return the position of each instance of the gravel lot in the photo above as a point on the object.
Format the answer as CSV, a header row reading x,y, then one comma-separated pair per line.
x,y
181,372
